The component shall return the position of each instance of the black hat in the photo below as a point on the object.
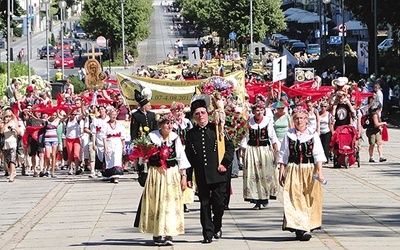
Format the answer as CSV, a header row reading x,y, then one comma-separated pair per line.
x,y
199,101
140,98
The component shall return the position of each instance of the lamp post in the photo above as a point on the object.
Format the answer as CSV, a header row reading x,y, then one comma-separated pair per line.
x,y
62,5
251,26
46,2
123,31
8,42
343,54
28,41
325,29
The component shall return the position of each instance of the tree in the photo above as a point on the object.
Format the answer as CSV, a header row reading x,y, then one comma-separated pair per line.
x,y
103,18
18,11
386,13
225,16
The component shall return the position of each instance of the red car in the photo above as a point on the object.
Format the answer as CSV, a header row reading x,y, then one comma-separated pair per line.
x,y
68,60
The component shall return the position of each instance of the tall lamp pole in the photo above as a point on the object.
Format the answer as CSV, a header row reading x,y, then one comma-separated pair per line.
x,y
123,31
251,26
46,2
374,9
8,42
343,40
62,5
28,41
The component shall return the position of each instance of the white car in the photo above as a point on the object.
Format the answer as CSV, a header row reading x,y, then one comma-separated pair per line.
x,y
385,44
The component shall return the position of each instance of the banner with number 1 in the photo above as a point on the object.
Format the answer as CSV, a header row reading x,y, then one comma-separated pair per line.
x,y
194,55
279,69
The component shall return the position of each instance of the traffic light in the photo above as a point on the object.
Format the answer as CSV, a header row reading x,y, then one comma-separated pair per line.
x,y
248,41
257,51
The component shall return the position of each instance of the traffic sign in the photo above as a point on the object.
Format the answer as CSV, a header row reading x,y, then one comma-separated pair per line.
x,y
232,35
279,69
101,41
335,40
249,63
342,27
317,34
194,55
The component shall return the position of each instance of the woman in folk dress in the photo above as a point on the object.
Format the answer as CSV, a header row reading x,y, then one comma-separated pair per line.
x,y
301,155
259,183
114,148
162,208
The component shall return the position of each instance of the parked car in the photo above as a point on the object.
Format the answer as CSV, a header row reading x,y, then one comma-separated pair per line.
x,y
385,44
280,41
298,47
66,46
313,49
68,60
43,51
289,43
80,34
273,39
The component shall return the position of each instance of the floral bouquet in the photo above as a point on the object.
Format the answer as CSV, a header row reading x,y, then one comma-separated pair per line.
x,y
217,84
236,124
142,146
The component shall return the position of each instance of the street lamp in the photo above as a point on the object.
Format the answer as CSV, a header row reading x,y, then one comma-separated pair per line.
x,y
46,2
62,5
28,40
251,26
123,31
8,42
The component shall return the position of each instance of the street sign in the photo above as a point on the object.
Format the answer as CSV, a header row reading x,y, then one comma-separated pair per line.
x,y
335,40
342,27
101,41
279,69
317,34
194,55
249,63
232,35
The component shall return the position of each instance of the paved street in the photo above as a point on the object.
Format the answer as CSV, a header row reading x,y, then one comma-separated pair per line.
x,y
361,205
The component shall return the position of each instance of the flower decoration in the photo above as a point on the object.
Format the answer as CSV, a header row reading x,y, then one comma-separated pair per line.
x,y
143,147
164,153
217,84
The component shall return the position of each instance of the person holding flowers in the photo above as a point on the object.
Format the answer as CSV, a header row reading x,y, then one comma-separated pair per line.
x,y
161,206
259,183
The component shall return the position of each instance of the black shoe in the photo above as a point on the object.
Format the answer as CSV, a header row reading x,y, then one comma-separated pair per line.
x,y
6,174
79,171
157,240
226,207
234,176
240,166
218,234
299,234
41,174
185,209
306,236
257,207
382,159
372,160
207,240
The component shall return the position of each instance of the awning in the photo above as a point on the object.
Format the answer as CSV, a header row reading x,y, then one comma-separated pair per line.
x,y
312,18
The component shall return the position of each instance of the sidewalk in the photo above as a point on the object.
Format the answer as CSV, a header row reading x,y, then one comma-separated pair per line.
x,y
360,212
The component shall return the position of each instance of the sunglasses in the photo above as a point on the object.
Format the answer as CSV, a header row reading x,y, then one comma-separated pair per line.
x,y
200,113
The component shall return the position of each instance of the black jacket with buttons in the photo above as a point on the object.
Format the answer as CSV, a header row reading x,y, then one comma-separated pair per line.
x,y
139,119
202,153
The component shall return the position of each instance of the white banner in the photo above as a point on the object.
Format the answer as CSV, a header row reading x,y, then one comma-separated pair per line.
x,y
362,55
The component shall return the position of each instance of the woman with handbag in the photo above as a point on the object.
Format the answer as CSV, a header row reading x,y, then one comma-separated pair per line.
x,y
166,178
10,130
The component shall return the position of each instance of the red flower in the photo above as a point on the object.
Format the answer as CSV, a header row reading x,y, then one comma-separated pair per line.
x,y
144,151
164,153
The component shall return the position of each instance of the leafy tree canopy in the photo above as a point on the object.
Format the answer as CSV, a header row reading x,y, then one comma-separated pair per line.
x,y
103,18
225,16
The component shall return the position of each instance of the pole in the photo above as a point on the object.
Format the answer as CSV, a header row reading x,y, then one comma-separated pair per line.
x,y
123,31
251,26
47,42
62,42
375,9
320,28
8,42
325,30
343,40
28,42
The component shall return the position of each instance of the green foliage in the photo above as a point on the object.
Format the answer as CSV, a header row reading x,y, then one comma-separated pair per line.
x,y
97,19
53,39
79,86
347,47
17,70
18,32
225,16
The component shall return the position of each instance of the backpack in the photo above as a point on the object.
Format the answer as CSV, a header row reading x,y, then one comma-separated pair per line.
x,y
366,121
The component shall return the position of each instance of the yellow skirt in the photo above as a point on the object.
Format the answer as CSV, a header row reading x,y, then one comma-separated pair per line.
x,y
302,198
162,207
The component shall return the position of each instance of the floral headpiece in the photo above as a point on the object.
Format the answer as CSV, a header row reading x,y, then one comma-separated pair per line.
x,y
217,84
259,104
166,118
300,110
177,106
